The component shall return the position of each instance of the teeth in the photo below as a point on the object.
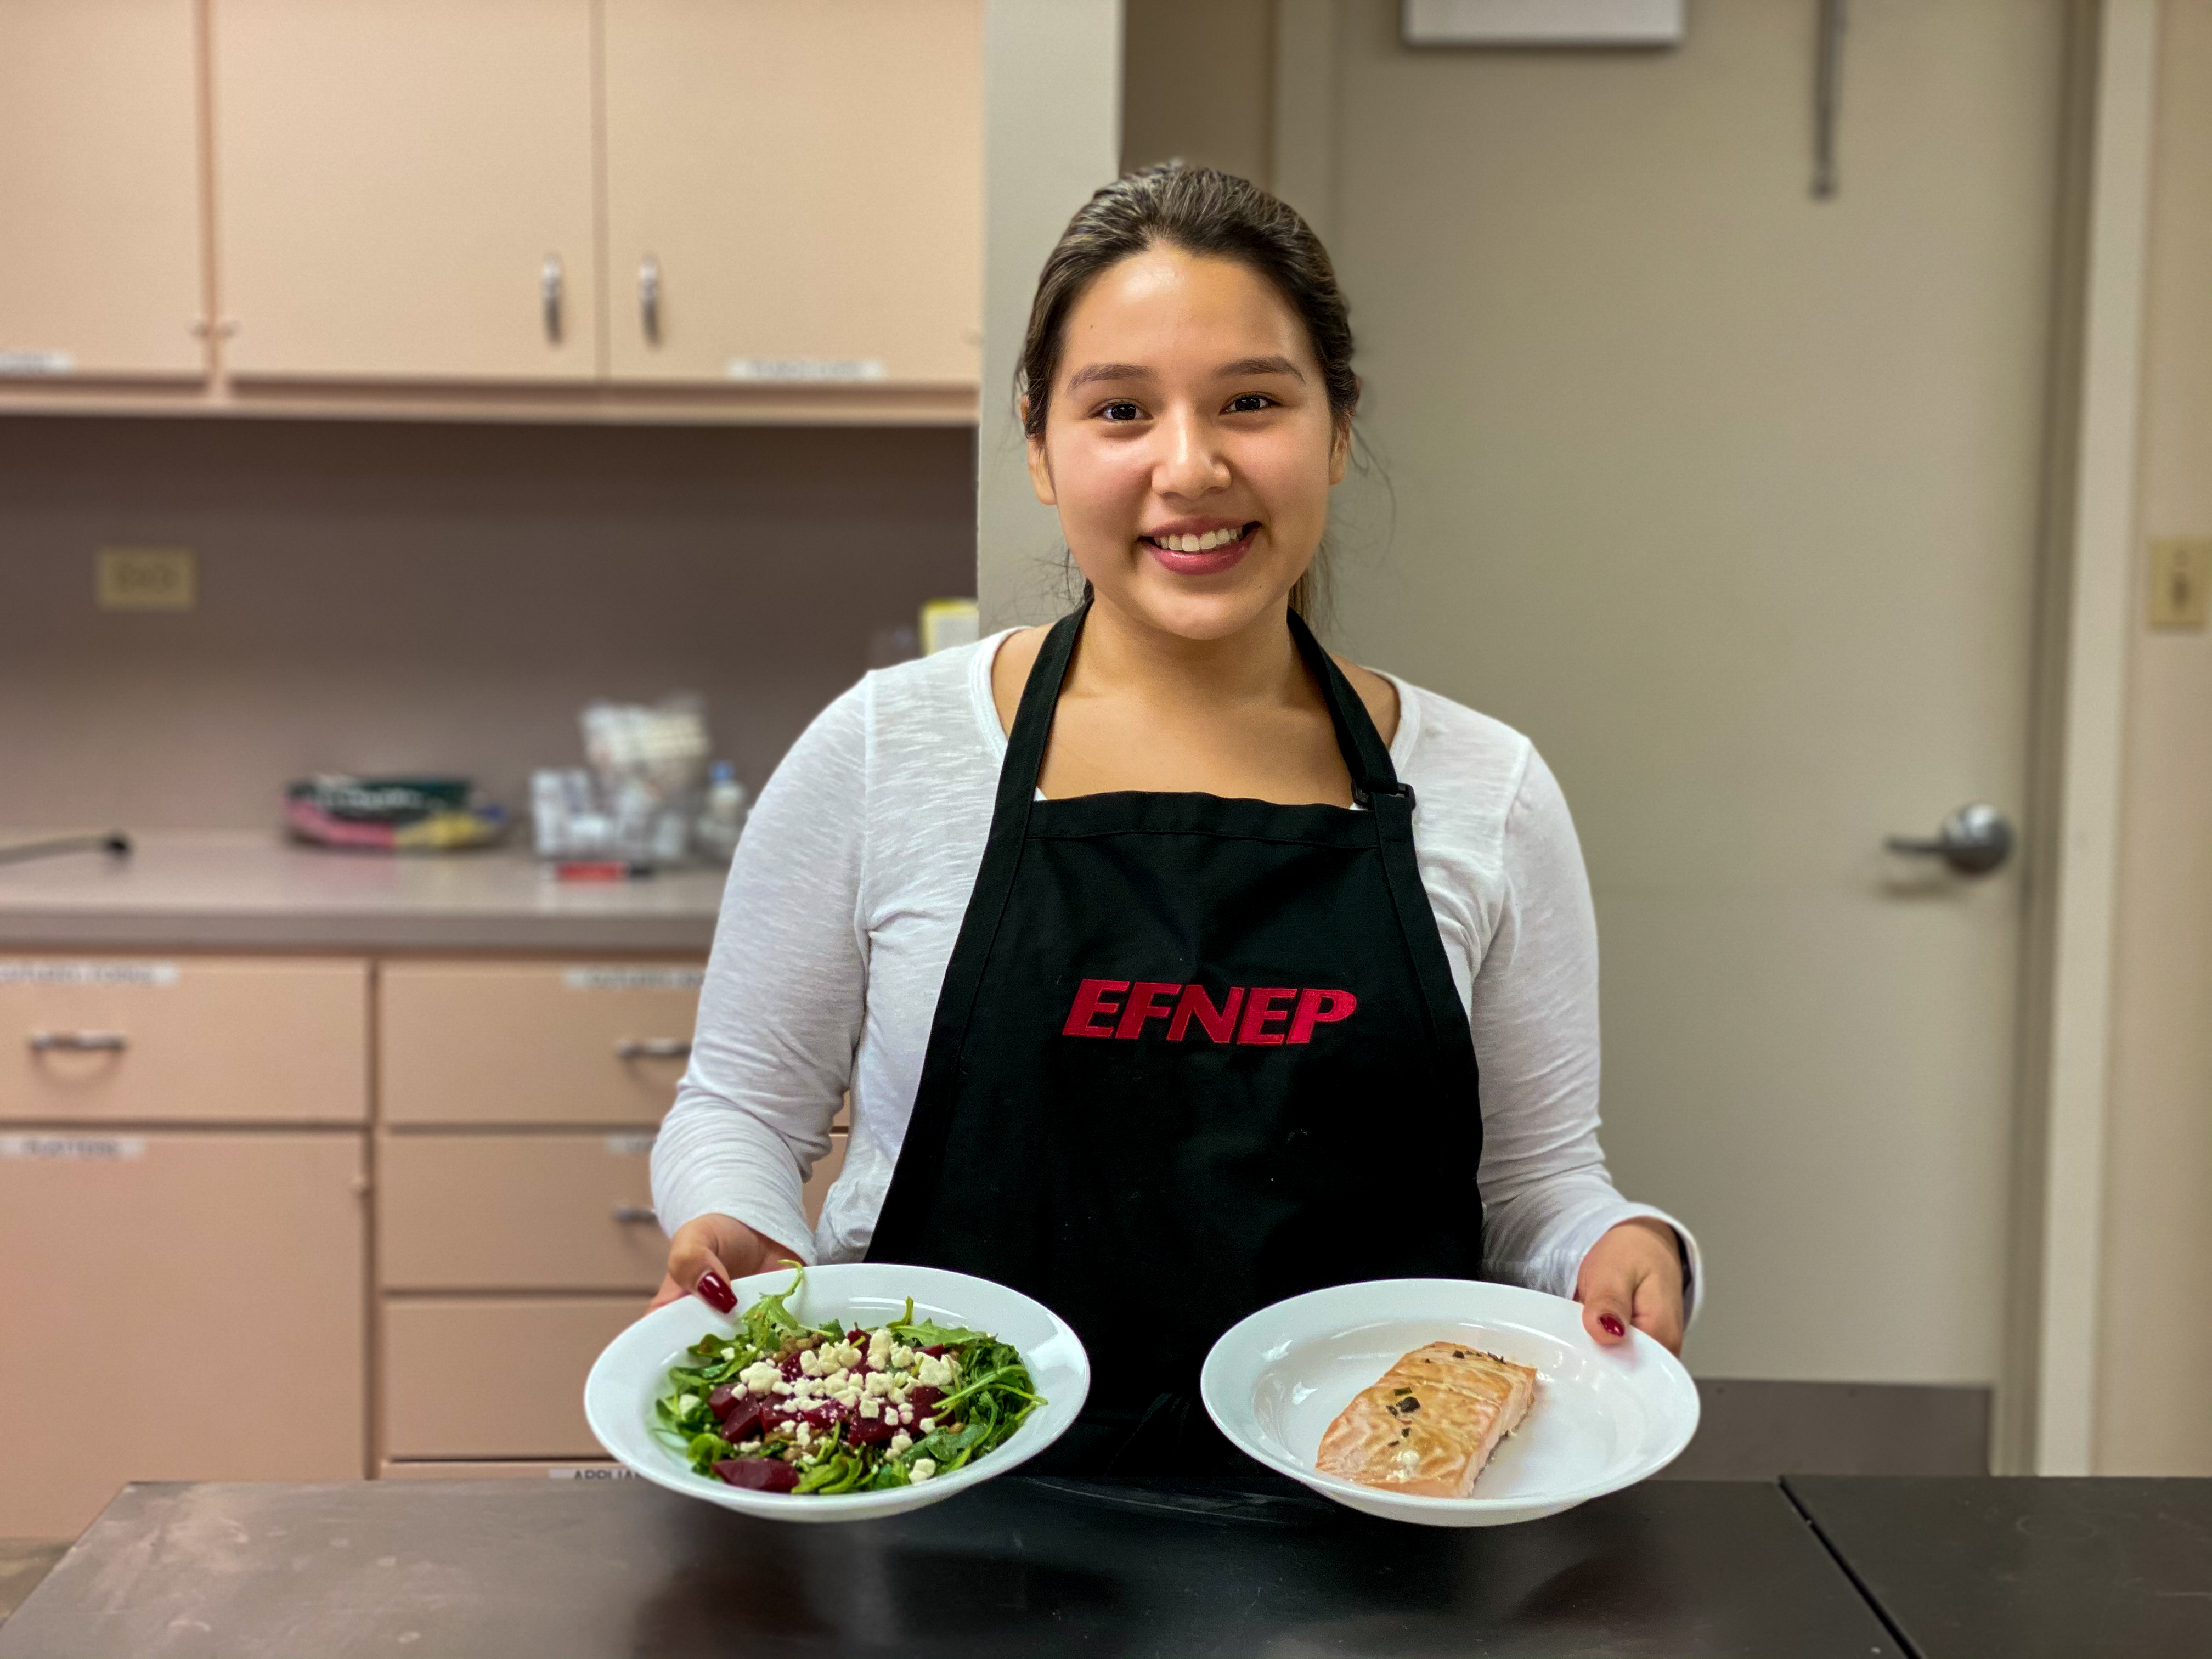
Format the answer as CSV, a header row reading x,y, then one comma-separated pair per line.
x,y
1204,544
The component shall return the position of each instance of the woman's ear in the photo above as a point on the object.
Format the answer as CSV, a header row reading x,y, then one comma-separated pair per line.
x,y
1340,448
1039,468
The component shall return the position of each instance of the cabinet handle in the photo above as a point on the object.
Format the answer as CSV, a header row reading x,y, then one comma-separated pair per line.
x,y
649,298
79,1042
548,288
653,1049
627,1213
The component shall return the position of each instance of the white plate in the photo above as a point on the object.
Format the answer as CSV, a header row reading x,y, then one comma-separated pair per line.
x,y
632,1373
1603,1417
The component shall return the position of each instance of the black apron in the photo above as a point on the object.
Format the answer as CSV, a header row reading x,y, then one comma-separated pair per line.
x,y
1191,1056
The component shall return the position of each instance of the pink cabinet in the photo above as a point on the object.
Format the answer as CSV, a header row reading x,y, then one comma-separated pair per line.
x,y
176,1304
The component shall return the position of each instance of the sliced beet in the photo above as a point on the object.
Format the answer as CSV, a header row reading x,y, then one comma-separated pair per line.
x,y
923,1398
723,1400
744,1420
869,1431
789,1363
858,1338
758,1473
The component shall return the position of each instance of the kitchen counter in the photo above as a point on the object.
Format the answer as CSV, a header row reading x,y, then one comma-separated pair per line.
x,y
1020,1565
233,890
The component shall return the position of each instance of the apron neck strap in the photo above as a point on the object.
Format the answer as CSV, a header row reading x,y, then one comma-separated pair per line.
x,y
1365,755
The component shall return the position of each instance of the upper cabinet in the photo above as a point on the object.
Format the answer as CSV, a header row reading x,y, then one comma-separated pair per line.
x,y
405,189
793,192
744,209
101,195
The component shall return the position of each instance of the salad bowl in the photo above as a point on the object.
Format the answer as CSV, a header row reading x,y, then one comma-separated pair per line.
x,y
1602,1419
631,1375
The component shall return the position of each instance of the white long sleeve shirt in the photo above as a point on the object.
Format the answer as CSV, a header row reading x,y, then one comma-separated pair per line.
x,y
848,891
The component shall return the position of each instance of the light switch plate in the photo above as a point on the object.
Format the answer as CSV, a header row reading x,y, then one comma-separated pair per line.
x,y
2180,582
145,579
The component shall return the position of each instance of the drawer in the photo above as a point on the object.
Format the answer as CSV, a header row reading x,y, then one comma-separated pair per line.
x,y
529,1212
532,1043
214,1039
489,1377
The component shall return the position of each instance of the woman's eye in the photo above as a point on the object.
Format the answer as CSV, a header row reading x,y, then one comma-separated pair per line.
x,y
1250,403
1121,412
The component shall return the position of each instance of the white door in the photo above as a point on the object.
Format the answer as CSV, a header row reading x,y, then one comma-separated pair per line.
x,y
1729,497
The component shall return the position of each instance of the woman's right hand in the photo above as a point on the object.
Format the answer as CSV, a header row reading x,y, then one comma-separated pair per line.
x,y
709,1251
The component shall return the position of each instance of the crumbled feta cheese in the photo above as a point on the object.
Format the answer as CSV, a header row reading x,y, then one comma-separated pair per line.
x,y
902,1356
804,1434
906,1413
878,1383
729,1354
879,1347
871,1408
684,1402
900,1442
928,1424
836,1379
845,1355
781,1386
809,1363
920,1469
934,1371
759,1377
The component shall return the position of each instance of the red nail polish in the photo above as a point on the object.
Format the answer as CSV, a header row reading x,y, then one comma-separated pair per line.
x,y
1607,1323
715,1291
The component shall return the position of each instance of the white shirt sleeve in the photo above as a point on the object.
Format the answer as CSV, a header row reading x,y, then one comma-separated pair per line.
x,y
1546,1195
781,1010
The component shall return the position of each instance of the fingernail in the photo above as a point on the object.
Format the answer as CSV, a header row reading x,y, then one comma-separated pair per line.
x,y
715,1291
1606,1322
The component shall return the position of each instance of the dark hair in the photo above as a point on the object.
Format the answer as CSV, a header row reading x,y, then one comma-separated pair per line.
x,y
1214,214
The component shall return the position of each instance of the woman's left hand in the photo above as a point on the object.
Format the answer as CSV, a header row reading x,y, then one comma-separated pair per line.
x,y
1633,1276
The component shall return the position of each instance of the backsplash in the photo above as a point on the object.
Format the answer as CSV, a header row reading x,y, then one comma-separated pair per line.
x,y
379,596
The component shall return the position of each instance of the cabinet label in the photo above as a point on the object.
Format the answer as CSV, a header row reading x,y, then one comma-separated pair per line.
x,y
629,1146
83,1149
160,975
591,1474
19,360
805,369
633,979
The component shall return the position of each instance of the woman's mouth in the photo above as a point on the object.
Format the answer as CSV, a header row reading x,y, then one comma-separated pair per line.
x,y
1201,555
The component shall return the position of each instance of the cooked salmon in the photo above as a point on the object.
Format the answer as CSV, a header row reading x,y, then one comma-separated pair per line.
x,y
1431,1422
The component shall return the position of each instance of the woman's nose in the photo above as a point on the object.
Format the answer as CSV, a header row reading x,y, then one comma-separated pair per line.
x,y
1190,461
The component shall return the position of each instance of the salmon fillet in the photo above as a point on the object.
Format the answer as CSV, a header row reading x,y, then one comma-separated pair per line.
x,y
1431,1422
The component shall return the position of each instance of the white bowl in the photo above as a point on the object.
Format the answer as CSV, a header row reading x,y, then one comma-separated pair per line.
x,y
1603,1417
632,1373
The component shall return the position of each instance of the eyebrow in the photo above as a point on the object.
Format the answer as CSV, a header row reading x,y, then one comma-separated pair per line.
x,y
1243,367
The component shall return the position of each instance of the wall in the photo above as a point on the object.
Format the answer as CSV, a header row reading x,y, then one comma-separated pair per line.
x,y
393,596
1206,90
2154,1400
1052,122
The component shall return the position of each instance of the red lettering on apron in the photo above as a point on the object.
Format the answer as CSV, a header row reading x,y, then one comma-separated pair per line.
x,y
1318,1008
1144,1004
1260,1012
1218,1024
1089,1003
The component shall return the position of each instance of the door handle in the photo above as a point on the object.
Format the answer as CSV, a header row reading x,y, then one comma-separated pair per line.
x,y
549,295
79,1042
648,299
1973,841
629,1213
653,1048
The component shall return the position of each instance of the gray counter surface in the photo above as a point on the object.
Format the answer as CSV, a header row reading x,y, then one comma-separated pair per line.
x,y
236,890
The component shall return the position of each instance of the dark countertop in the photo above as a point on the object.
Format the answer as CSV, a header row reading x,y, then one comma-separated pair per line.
x,y
235,890
483,1570
2022,1567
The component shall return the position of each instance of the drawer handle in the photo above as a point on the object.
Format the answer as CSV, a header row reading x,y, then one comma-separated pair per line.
x,y
628,1213
653,1049
79,1042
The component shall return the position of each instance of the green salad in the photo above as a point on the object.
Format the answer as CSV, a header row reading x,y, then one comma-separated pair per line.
x,y
788,1407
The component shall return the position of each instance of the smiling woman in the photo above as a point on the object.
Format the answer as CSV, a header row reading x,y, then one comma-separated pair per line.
x,y
1174,821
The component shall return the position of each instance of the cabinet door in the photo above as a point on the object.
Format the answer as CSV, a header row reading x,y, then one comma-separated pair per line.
x,y
404,188
802,183
99,189
489,1377
177,1306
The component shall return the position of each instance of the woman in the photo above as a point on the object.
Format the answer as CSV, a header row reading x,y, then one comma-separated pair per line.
x,y
1156,948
